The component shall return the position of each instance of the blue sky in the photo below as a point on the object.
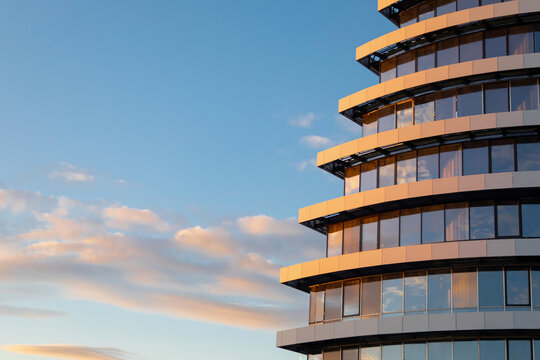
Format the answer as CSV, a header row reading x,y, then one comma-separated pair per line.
x,y
155,156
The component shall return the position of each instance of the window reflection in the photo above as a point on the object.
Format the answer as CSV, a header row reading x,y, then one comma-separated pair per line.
x,y
529,219
392,296
334,240
464,290
520,40
350,354
392,352
475,158
502,155
445,105
490,290
466,350
450,160
482,216
527,155
440,350
445,7
517,288
535,281
507,219
524,95
470,101
370,353
424,109
386,119
426,58
495,43
331,355
496,97
332,302
439,282
351,298
492,350
406,64
387,171
457,222
351,236
519,349
368,176
448,52
415,351
415,292
371,296
428,164
406,168
389,229
369,233
432,224
352,180
316,304
410,227
470,47
404,114
467,4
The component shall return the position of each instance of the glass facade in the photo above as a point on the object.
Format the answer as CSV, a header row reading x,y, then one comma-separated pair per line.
x,y
436,223
433,291
491,97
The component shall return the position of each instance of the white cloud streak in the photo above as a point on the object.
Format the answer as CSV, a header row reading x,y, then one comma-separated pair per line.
x,y
315,141
303,121
71,173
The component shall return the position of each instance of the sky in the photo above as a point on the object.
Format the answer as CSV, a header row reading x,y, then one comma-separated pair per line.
x,y
155,155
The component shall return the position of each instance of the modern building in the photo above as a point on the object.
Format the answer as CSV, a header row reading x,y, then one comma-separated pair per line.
x,y
433,251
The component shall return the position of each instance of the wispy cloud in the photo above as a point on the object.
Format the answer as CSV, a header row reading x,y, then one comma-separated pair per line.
x,y
315,141
71,173
301,166
71,352
8,310
304,121
98,252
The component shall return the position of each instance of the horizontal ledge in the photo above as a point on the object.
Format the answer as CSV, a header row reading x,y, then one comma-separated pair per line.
x,y
302,276
440,74
408,327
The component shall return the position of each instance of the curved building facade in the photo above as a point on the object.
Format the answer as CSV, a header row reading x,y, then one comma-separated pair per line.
x,y
433,251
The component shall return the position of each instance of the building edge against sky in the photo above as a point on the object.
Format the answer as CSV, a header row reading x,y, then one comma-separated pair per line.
x,y
433,250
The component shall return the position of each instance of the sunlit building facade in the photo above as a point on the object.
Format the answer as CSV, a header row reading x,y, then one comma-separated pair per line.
x,y
433,251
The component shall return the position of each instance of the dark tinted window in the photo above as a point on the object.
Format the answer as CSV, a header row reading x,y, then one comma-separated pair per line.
x,y
440,350
387,171
469,101
470,47
528,152
426,10
466,350
445,105
507,219
426,57
350,354
414,351
351,236
389,229
457,222
439,284
445,6
535,275
408,17
496,97
467,4
492,349
450,160
369,233
529,219
368,176
502,155
371,296
517,287
520,40
524,95
387,119
519,350
410,227
482,216
388,69
406,64
464,290
447,52
369,124
331,355
490,290
428,164
432,224
392,352
475,158
351,298
495,43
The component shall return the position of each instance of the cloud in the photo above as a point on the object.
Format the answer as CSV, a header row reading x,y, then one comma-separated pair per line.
x,y
226,273
304,164
123,217
304,121
72,352
70,173
315,141
8,310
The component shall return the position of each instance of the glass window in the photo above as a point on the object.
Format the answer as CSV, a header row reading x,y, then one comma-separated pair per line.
x,y
467,4
414,351
535,275
448,52
519,350
520,40
331,354
316,304
466,350
439,282
409,227
527,155
351,298
482,215
315,357
424,109
386,119
470,46
352,180
450,160
392,352
496,97
406,168
529,218
428,164
537,42
332,302
432,224
368,176
517,287
392,294
445,105
349,354
370,353
502,155
507,219
369,233
406,64
492,349
445,6
440,350
489,2
408,17
495,43
475,158
388,69
415,292
371,296
490,290
426,10
334,238
387,171
389,229
469,101
426,57
404,114
464,290
369,124
351,236
524,95
457,222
